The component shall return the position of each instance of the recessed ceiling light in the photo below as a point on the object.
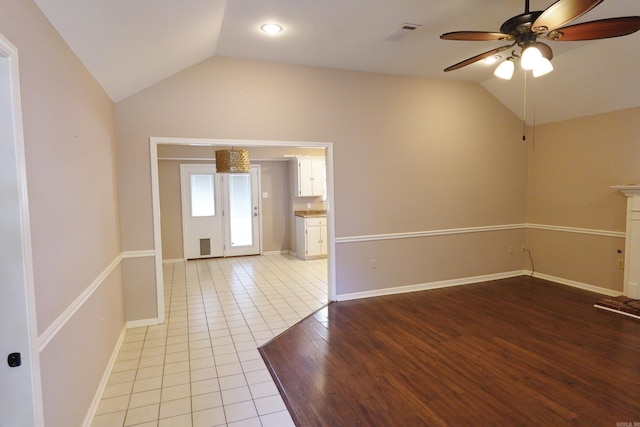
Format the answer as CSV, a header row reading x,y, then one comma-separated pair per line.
x,y
271,28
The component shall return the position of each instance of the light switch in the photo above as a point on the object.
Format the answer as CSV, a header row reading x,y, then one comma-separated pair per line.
x,y
265,195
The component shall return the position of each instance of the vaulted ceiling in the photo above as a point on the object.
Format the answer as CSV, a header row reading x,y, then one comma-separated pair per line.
x,y
129,45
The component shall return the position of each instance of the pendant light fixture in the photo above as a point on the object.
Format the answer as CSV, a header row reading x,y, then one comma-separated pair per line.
x,y
232,161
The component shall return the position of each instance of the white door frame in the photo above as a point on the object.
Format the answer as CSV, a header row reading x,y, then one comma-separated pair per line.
x,y
155,195
24,395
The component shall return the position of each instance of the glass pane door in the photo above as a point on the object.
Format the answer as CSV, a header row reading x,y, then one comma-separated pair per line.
x,y
240,211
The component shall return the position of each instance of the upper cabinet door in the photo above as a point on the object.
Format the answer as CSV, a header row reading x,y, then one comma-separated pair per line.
x,y
311,177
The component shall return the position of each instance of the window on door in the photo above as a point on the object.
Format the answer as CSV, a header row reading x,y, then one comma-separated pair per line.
x,y
202,196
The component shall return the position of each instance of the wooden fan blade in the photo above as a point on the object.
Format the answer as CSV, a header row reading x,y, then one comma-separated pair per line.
x,y
478,57
475,36
561,13
600,29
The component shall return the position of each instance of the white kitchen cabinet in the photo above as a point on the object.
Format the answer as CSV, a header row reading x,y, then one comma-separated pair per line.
x,y
310,176
311,237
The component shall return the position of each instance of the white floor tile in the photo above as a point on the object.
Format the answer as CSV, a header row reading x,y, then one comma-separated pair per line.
x,y
144,398
240,411
209,418
202,367
269,405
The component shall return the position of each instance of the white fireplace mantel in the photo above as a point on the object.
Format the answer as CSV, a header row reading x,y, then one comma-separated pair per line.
x,y
632,242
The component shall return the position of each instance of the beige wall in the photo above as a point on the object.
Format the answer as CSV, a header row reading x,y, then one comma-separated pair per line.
x,y
572,165
69,132
410,154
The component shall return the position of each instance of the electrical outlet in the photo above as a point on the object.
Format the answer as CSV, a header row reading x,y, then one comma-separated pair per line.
x,y
374,264
621,263
509,249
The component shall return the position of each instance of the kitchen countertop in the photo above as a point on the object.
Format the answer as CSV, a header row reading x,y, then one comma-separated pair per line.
x,y
310,213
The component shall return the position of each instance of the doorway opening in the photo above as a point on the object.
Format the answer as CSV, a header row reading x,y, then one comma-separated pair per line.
x,y
161,142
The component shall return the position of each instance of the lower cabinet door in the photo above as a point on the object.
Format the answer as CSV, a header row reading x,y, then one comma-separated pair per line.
x,y
316,241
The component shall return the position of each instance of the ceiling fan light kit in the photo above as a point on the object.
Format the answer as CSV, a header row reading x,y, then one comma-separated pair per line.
x,y
544,66
524,30
506,69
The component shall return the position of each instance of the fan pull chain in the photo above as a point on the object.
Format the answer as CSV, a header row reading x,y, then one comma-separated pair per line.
x,y
524,110
533,125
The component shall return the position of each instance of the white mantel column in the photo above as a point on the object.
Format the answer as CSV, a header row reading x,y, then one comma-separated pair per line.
x,y
632,243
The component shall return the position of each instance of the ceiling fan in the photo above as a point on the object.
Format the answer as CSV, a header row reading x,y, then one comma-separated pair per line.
x,y
524,31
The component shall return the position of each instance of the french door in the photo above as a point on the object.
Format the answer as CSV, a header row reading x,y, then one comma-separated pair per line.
x,y
220,212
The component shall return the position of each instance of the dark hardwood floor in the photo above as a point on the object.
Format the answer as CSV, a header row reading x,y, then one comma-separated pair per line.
x,y
513,352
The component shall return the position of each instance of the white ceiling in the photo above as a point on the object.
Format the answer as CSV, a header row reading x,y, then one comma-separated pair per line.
x,y
129,45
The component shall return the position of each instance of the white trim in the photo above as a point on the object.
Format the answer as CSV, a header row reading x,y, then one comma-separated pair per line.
x,y
213,159
157,235
8,50
589,231
139,254
93,408
453,231
428,286
71,310
155,195
142,322
470,280
579,285
412,235
282,252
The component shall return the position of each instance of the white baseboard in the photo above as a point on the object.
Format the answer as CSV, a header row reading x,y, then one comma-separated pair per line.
x,y
283,252
579,285
91,413
142,323
476,279
427,286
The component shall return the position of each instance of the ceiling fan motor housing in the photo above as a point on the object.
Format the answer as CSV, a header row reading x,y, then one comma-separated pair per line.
x,y
520,24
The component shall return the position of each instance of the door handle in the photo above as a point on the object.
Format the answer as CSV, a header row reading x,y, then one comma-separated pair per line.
x,y
14,360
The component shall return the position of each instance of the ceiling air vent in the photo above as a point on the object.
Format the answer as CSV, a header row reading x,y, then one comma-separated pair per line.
x,y
401,32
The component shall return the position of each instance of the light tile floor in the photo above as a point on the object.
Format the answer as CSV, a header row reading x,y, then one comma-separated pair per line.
x,y
201,368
